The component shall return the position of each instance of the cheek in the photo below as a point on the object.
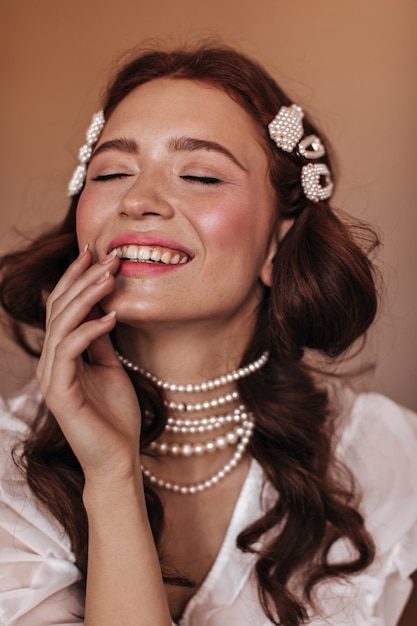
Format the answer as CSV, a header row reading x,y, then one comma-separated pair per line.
x,y
87,219
231,225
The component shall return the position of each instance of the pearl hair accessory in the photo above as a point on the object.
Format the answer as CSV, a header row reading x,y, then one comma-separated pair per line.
x,y
286,130
192,488
310,180
93,133
208,385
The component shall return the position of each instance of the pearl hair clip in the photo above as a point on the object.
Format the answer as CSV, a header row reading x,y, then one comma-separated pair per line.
x,y
286,130
93,133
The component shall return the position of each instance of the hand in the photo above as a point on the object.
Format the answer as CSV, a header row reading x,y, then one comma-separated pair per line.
x,y
94,403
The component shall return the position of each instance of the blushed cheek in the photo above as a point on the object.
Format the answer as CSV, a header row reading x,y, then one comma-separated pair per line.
x,y
229,225
84,220
82,237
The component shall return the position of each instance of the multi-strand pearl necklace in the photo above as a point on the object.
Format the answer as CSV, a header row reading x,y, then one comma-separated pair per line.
x,y
197,487
239,435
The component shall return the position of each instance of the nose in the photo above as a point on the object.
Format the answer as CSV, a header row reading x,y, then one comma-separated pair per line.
x,y
146,197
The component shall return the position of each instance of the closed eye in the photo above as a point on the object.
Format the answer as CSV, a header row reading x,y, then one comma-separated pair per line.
x,y
205,180
116,175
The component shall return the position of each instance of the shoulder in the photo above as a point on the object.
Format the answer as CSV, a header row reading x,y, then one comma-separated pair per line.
x,y
378,443
22,516
35,551
377,416
15,416
16,413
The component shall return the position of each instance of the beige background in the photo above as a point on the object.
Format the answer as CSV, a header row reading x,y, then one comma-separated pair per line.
x,y
353,64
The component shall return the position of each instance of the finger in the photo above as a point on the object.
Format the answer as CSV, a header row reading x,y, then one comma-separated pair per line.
x,y
101,352
69,350
62,324
78,276
76,269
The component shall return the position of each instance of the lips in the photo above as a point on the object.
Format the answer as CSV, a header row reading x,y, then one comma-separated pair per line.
x,y
151,254
144,253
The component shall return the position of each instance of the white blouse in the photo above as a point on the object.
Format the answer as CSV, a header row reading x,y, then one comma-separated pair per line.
x,y
378,441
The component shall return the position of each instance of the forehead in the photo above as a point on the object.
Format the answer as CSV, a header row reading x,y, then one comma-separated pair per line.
x,y
184,106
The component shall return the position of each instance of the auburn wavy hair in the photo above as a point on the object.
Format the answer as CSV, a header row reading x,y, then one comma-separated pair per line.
x,y
322,297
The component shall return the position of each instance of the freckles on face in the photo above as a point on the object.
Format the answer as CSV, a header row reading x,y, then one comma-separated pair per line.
x,y
197,175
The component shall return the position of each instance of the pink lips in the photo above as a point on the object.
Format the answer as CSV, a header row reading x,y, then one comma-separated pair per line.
x,y
147,239
138,269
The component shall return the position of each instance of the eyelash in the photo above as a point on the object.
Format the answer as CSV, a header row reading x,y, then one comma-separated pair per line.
x,y
104,177
205,180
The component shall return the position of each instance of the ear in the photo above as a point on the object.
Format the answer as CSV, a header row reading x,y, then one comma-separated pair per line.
x,y
265,274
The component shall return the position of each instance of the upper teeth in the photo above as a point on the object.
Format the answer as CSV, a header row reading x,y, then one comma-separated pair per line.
x,y
151,254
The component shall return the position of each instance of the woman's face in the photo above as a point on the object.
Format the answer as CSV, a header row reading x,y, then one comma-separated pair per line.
x,y
179,179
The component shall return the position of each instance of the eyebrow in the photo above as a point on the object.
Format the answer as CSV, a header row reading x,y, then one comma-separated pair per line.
x,y
190,144
121,144
177,144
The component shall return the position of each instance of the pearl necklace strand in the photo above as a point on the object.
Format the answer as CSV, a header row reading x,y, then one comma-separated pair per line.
x,y
192,488
201,447
208,385
202,406
205,424
187,449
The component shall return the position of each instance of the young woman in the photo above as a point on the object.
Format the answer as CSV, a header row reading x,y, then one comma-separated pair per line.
x,y
182,461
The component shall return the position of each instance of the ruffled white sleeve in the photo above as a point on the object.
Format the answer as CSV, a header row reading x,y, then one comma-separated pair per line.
x,y
38,577
379,445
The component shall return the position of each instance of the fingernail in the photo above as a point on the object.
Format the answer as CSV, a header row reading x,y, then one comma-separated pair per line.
x,y
83,251
109,257
108,317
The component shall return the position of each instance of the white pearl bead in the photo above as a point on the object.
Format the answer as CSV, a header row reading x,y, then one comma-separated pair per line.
x,y
221,443
187,449
163,448
231,438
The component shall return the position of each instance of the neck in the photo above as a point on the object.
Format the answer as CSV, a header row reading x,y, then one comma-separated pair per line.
x,y
181,356
192,461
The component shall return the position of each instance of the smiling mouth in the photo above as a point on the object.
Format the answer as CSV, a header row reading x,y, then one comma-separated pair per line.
x,y
151,254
